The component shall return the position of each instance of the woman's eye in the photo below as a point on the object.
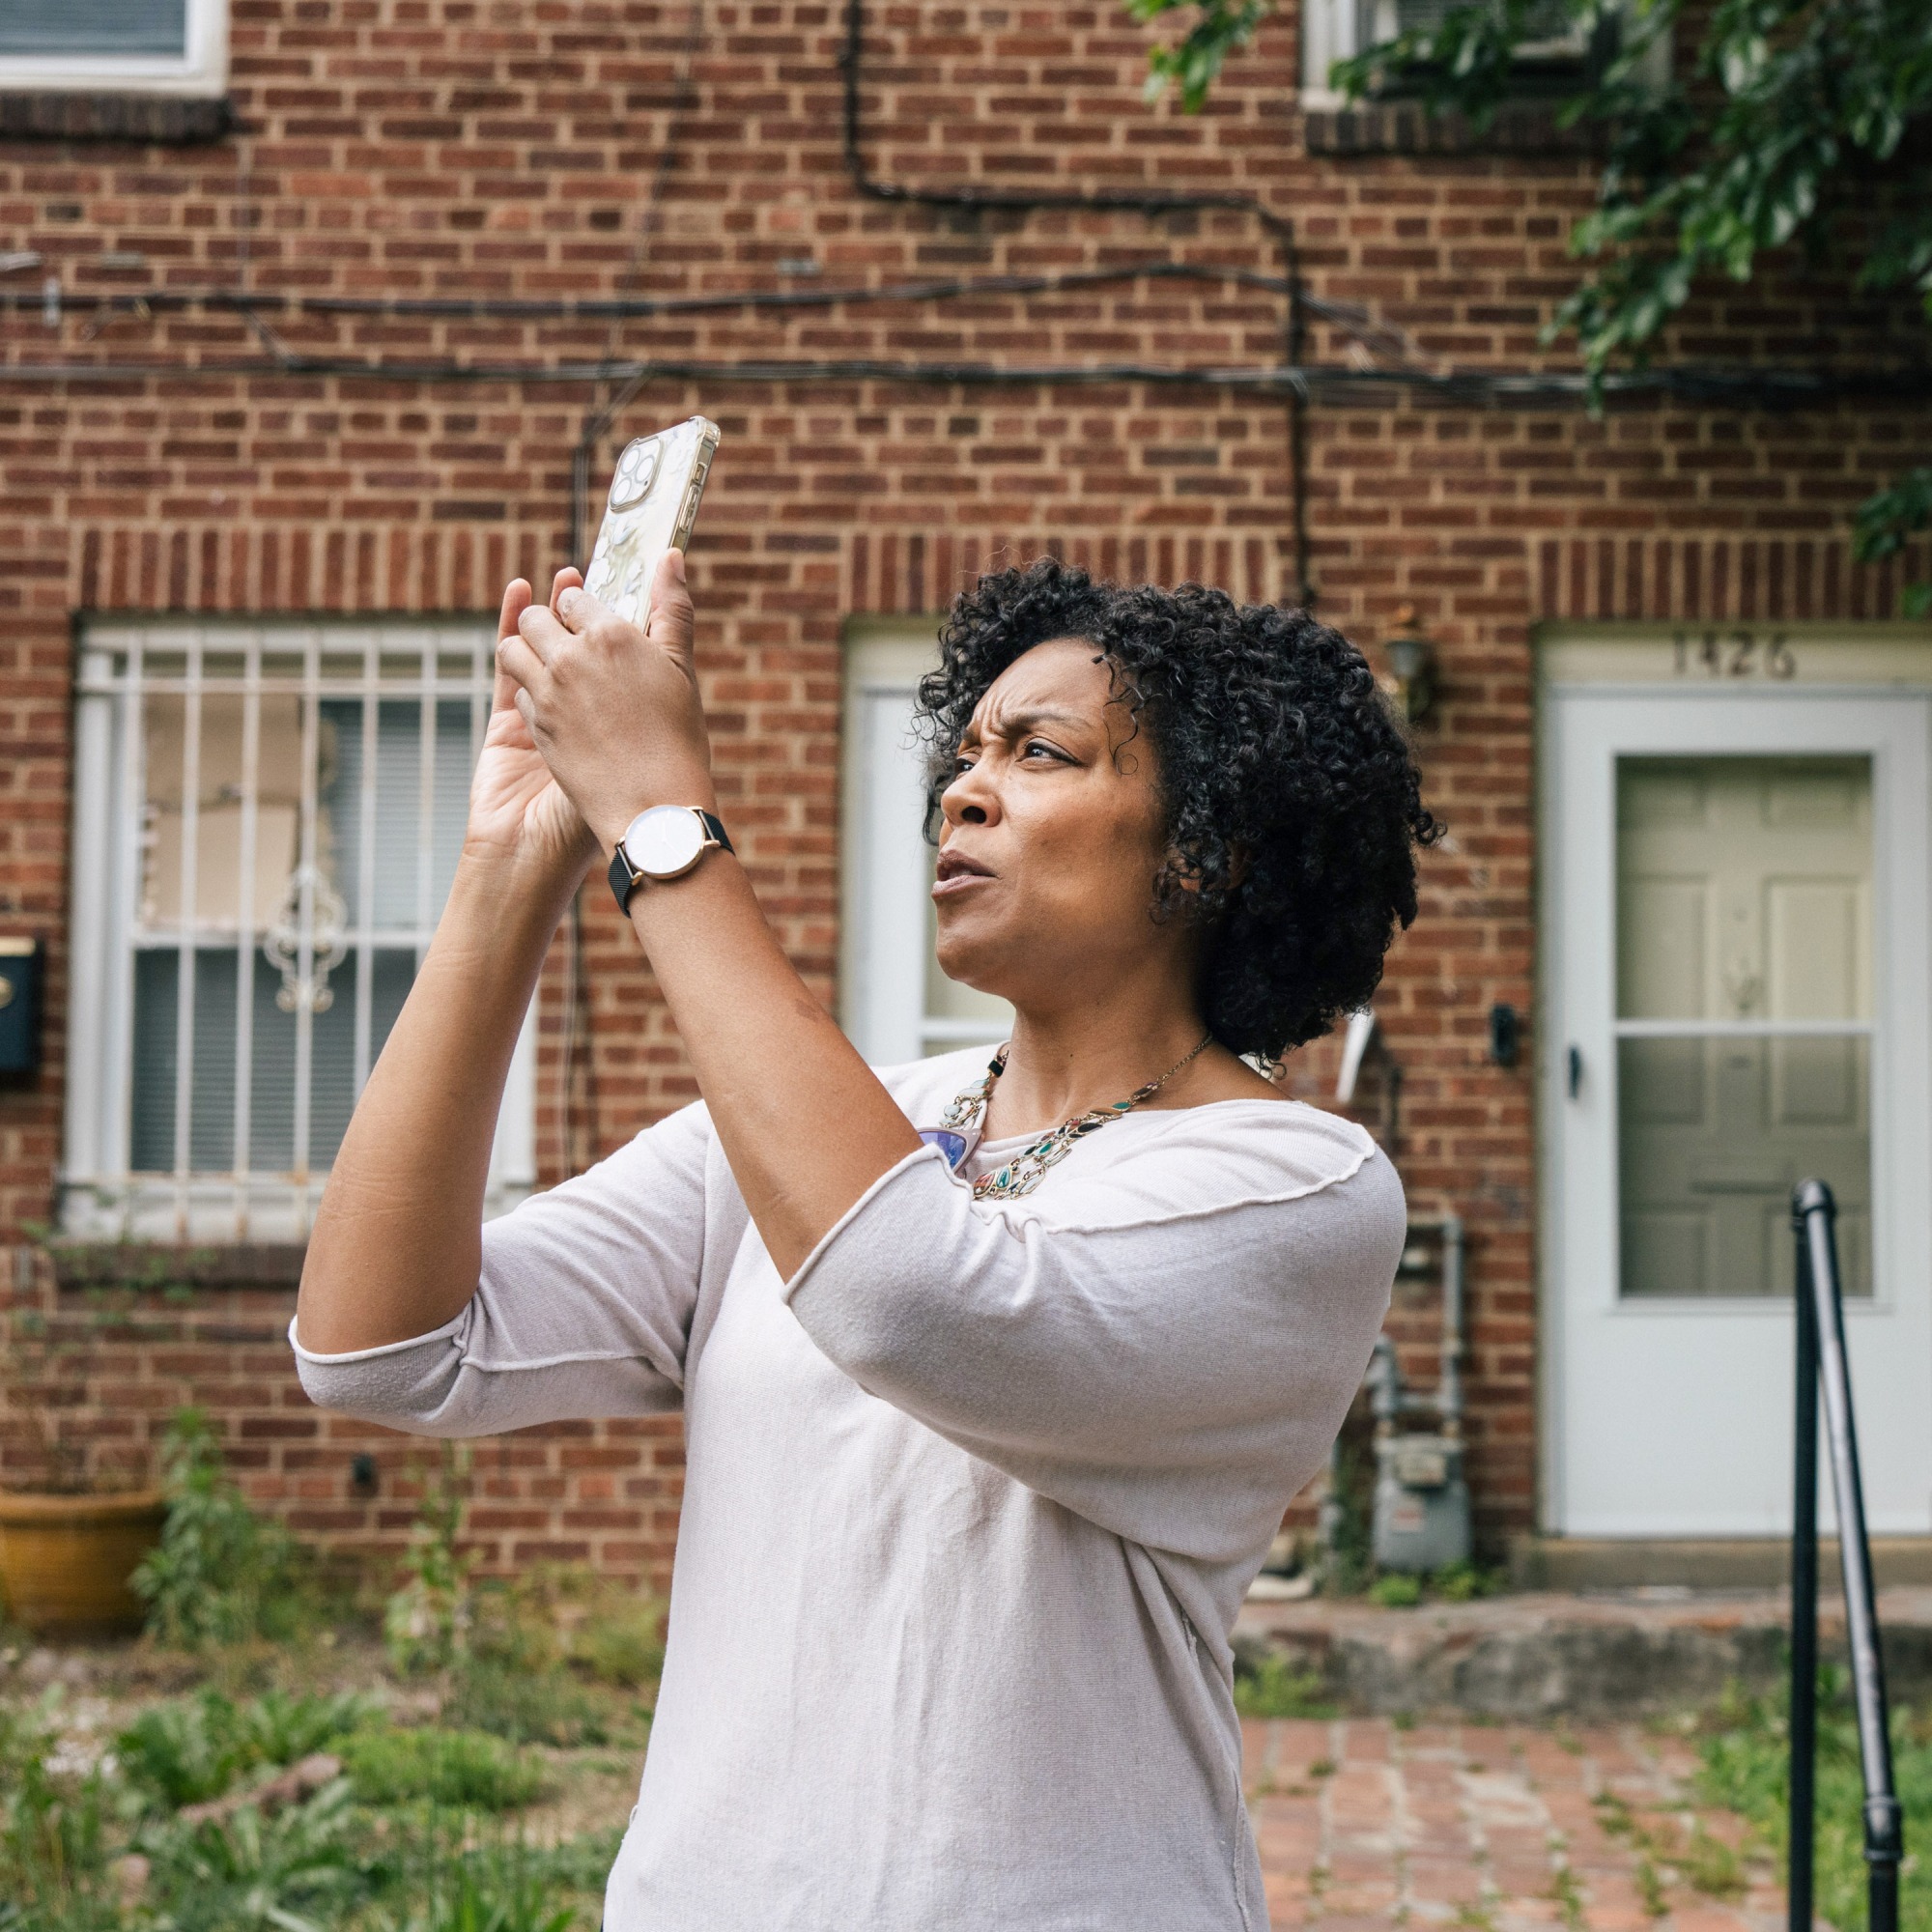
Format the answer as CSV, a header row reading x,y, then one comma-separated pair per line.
x,y
1036,747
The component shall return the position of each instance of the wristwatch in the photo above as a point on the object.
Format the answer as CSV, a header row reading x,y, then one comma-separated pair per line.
x,y
664,842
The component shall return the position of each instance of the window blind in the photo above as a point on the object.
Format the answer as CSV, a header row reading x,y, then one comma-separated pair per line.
x,y
149,27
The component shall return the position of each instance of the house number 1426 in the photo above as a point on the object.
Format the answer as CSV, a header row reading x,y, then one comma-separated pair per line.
x,y
1733,654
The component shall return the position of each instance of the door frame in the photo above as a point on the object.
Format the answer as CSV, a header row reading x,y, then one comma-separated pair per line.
x,y
1657,681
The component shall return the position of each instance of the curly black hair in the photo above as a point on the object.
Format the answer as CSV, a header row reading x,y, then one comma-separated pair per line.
x,y
1292,804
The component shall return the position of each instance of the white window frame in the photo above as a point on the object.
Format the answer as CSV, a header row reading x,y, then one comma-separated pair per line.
x,y
886,860
121,664
202,70
1331,31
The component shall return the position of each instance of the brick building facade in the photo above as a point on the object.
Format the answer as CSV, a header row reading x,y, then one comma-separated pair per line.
x,y
318,349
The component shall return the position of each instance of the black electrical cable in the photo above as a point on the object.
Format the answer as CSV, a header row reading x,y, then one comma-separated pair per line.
x,y
1334,383
1148,202
597,419
625,308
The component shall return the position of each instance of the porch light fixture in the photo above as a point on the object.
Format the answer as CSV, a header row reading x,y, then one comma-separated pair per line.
x,y
1412,663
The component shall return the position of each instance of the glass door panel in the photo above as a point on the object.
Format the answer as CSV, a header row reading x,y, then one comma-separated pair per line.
x,y
1743,1016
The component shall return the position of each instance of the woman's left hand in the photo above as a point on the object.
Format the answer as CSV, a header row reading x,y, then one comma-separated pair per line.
x,y
614,708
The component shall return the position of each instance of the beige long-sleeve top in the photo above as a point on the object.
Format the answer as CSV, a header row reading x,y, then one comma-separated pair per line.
x,y
971,1501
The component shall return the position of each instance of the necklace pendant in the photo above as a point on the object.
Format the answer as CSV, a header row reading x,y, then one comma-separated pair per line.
x,y
956,1146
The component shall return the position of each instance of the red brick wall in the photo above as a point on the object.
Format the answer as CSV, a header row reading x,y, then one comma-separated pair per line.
x,y
447,148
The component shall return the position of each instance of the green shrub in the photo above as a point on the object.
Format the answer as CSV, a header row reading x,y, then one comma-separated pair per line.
x,y
621,1641
1463,1583
186,1752
280,1728
1396,1592
295,1872
221,1573
458,1768
548,1707
505,1896
1273,1685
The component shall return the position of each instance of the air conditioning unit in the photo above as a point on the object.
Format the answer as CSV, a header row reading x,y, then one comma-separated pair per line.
x,y
1554,34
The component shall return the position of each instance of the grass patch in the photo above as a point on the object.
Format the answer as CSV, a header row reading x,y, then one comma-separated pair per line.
x,y
1745,1751
462,1769
1273,1685
1569,1898
1652,1888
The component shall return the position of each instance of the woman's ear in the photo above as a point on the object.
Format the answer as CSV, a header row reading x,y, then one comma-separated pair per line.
x,y
1187,875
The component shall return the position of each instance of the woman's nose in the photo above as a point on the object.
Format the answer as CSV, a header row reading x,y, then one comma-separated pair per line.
x,y
971,799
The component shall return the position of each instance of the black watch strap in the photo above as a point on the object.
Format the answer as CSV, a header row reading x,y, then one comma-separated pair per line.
x,y
625,877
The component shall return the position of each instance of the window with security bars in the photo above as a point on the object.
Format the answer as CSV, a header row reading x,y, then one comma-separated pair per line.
x,y
267,819
162,46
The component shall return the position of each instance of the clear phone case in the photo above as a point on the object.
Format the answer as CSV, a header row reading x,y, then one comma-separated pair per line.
x,y
653,504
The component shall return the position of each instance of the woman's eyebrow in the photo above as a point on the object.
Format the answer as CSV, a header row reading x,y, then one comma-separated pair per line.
x,y
1018,723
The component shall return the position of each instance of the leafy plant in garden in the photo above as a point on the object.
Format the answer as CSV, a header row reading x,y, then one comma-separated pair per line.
x,y
186,1752
1765,123
53,1832
455,1768
295,1872
547,1650
507,1900
426,1624
1270,1685
621,1640
280,1728
221,1573
195,1749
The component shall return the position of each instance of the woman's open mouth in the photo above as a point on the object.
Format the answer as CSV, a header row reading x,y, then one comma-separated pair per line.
x,y
957,872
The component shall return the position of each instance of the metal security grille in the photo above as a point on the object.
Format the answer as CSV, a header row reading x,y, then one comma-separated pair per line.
x,y
267,820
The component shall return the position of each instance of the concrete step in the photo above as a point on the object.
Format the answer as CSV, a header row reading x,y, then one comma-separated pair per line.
x,y
1592,1657
1708,1563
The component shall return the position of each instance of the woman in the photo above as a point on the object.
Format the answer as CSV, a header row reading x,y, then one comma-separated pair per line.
x,y
995,1381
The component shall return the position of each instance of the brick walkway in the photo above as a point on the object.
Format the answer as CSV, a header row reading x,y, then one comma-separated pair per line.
x,y
1364,1825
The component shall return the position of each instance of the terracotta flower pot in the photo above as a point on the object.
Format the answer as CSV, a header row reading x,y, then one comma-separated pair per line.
x,y
66,1561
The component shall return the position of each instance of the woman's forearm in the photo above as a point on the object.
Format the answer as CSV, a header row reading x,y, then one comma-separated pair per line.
x,y
615,713
397,1240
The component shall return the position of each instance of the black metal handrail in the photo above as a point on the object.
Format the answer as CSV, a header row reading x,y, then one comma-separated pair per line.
x,y
1821,1358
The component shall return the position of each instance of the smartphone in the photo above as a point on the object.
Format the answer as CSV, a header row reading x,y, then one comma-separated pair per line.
x,y
653,504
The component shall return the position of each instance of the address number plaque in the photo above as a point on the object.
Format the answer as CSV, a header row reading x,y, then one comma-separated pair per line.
x,y
1731,653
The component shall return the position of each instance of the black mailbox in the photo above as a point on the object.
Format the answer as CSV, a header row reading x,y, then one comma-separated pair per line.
x,y
20,963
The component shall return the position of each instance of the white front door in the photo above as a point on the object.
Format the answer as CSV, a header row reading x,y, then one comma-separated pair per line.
x,y
1736,946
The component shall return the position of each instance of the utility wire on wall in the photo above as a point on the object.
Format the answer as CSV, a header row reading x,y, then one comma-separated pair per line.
x,y
577,1050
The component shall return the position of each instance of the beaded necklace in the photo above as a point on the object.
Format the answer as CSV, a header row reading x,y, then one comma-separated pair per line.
x,y
962,1120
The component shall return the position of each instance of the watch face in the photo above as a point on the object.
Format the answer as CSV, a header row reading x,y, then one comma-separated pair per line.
x,y
664,840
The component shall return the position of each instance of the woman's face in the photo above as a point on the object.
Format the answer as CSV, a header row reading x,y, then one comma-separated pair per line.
x,y
1054,834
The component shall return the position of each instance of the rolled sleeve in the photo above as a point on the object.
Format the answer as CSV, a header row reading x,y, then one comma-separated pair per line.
x,y
582,1306
1108,1366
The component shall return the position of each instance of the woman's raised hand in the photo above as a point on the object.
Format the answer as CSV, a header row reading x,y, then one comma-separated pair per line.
x,y
613,708
517,810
